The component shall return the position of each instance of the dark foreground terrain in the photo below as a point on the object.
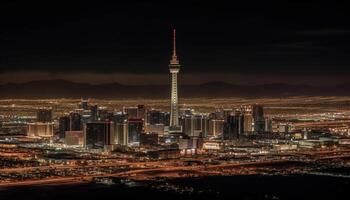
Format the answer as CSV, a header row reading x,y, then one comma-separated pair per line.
x,y
235,187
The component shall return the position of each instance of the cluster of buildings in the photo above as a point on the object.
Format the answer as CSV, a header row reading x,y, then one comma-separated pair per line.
x,y
94,127
162,133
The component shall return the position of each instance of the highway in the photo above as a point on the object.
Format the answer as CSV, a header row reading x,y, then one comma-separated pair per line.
x,y
138,174
49,167
172,168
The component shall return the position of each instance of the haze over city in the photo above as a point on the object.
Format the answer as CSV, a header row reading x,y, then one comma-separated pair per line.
x,y
174,100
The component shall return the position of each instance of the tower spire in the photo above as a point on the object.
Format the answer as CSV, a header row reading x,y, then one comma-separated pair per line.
x,y
174,60
174,42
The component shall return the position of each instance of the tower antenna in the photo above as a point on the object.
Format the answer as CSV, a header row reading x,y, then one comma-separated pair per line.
x,y
174,42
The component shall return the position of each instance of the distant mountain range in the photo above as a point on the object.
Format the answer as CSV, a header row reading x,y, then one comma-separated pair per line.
x,y
67,89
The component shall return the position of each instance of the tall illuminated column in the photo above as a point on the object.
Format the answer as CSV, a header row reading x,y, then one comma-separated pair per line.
x,y
174,68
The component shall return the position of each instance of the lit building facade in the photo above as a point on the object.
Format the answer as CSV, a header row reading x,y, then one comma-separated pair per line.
x,y
122,133
40,129
216,127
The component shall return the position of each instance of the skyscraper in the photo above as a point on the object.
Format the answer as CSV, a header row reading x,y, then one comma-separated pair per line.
x,y
187,125
94,112
191,124
157,117
141,112
75,122
135,128
259,120
234,126
216,127
40,129
174,68
122,133
99,134
63,126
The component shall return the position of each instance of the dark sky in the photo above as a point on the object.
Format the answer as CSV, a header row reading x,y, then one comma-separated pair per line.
x,y
245,43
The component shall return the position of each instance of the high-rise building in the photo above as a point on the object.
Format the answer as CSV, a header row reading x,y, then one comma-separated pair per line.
x,y
174,68
154,117
135,128
135,112
234,126
191,124
205,126
157,117
141,112
248,123
248,119
239,115
44,115
258,112
268,125
166,118
122,133
63,126
197,125
259,120
40,129
110,133
186,123
99,134
76,123
94,112
216,127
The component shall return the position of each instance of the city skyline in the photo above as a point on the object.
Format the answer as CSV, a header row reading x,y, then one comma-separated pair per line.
x,y
95,103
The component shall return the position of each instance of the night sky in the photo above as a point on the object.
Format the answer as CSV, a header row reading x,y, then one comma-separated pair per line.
x,y
130,43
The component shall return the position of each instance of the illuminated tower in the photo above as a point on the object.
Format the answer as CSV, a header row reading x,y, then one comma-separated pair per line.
x,y
174,68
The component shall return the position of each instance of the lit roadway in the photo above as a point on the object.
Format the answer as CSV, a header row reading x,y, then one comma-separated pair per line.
x,y
151,170
48,167
141,173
